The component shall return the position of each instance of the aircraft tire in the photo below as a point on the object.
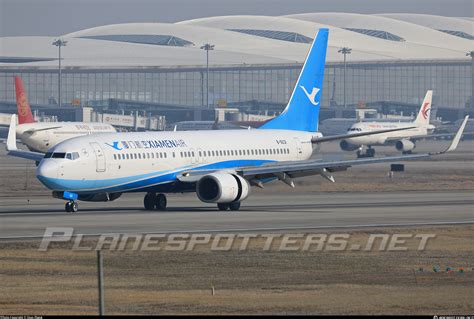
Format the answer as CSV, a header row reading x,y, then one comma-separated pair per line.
x,y
149,201
234,206
161,202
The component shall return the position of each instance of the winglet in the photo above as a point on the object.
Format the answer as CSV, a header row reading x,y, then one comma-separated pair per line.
x,y
457,137
11,140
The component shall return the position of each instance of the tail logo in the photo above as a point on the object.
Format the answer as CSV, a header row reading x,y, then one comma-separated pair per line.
x,y
22,105
311,96
425,109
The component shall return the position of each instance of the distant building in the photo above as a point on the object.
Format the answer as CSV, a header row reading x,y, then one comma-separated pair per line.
x,y
394,57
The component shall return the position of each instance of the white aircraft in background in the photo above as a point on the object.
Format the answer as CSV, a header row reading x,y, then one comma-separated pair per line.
x,y
41,136
219,165
403,140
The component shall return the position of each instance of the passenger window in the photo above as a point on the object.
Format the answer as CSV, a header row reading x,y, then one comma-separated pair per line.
x,y
115,156
164,155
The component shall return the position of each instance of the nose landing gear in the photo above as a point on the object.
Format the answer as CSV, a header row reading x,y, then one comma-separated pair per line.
x,y
71,207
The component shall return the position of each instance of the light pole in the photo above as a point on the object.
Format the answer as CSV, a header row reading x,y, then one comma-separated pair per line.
x,y
471,100
208,47
59,43
345,51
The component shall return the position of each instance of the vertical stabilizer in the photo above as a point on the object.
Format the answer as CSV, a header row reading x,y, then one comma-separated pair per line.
x,y
23,107
423,117
302,111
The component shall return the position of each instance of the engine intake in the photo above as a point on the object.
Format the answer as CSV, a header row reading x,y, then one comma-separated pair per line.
x,y
405,145
222,188
346,146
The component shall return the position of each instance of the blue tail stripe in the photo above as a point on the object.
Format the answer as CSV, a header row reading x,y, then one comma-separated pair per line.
x,y
302,111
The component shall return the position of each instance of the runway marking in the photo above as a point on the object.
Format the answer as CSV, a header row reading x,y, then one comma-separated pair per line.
x,y
256,229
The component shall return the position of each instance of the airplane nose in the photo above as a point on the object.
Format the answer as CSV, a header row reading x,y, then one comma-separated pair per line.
x,y
47,172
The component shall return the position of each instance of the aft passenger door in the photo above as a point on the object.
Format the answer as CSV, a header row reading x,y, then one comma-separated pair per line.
x,y
99,156
299,150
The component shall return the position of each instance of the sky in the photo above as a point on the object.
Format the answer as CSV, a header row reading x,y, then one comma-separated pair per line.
x,y
57,17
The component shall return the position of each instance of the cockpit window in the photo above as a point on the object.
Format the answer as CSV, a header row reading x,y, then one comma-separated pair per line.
x,y
59,155
70,156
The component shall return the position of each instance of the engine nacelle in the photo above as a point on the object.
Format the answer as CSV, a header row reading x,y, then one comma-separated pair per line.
x,y
405,145
346,146
222,188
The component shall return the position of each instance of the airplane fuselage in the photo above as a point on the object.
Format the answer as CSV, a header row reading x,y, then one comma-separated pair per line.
x,y
41,136
386,138
124,162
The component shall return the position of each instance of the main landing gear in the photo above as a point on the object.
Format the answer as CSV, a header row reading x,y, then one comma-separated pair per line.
x,y
155,201
227,206
71,207
370,152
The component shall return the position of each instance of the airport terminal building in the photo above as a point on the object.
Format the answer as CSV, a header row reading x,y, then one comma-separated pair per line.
x,y
390,58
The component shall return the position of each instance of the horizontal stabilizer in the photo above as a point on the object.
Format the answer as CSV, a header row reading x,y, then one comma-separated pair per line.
x,y
11,144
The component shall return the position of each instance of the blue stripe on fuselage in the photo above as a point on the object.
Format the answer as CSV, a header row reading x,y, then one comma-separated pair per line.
x,y
129,183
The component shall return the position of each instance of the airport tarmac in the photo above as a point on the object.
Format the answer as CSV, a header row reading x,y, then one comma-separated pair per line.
x,y
261,213
433,191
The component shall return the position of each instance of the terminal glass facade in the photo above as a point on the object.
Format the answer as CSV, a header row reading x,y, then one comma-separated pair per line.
x,y
400,82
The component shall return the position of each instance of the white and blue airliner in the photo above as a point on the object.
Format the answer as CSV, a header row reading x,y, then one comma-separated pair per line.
x,y
220,166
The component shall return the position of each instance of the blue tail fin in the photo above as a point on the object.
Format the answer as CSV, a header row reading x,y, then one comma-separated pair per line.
x,y
302,111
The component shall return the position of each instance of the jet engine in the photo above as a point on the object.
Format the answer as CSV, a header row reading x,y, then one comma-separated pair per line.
x,y
346,146
405,145
222,188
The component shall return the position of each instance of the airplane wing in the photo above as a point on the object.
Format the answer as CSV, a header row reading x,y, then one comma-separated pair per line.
x,y
316,140
427,137
285,171
11,144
